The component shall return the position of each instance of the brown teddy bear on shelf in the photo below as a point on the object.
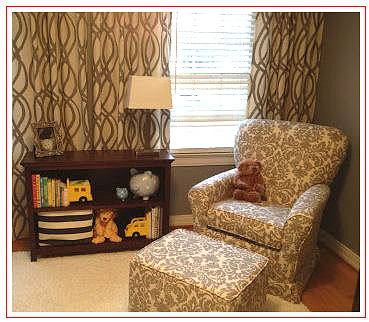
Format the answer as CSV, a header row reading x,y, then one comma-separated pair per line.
x,y
248,182
105,226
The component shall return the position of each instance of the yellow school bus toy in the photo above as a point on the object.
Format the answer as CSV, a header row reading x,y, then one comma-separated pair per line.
x,y
79,190
138,226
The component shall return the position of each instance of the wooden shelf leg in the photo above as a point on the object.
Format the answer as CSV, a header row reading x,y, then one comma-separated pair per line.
x,y
33,256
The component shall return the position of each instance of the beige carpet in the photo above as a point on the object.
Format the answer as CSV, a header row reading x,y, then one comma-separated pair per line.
x,y
85,283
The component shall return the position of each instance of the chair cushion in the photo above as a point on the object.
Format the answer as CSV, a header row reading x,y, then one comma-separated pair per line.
x,y
261,223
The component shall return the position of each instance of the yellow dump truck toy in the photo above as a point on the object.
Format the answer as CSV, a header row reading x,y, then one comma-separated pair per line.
x,y
79,190
138,227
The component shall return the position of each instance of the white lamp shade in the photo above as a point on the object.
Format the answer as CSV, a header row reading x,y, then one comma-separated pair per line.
x,y
148,92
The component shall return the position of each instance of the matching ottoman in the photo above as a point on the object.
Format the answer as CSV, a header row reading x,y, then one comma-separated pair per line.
x,y
187,272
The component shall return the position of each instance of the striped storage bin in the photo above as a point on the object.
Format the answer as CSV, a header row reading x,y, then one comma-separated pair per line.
x,y
65,227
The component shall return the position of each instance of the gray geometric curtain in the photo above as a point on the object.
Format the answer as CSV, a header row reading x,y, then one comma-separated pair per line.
x,y
285,65
73,68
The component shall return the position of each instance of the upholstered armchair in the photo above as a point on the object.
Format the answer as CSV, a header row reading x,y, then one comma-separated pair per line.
x,y
299,162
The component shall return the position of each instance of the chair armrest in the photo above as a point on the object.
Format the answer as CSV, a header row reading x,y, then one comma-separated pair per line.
x,y
310,202
207,192
300,233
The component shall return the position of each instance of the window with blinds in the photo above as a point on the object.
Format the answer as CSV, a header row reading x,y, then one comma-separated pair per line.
x,y
210,69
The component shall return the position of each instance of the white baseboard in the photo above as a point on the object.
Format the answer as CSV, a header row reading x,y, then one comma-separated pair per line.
x,y
327,239
341,250
180,220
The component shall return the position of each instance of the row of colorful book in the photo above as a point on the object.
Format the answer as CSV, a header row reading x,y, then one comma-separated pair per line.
x,y
49,192
155,222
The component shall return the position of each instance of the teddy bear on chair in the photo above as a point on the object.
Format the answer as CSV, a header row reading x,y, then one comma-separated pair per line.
x,y
105,227
248,182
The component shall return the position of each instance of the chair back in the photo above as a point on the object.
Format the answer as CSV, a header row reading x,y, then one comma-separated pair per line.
x,y
294,156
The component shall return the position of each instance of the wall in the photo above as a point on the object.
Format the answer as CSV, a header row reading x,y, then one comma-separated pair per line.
x,y
338,105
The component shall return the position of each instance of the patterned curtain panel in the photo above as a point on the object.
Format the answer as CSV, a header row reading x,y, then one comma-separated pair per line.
x,y
285,65
72,68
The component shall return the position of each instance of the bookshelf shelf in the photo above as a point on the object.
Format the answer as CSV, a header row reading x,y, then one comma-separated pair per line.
x,y
105,204
105,170
126,244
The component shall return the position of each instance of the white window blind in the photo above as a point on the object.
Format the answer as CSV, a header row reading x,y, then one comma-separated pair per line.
x,y
210,68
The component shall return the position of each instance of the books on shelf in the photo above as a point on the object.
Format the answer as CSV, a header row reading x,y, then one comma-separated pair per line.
x,y
48,192
155,222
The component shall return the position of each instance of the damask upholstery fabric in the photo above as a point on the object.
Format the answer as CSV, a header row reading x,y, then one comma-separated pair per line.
x,y
186,271
207,192
294,156
290,291
72,68
262,223
285,65
299,161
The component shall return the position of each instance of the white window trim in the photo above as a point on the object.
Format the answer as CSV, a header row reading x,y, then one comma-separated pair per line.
x,y
202,157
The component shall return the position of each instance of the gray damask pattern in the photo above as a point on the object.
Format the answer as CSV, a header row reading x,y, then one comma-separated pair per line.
x,y
262,223
72,68
186,271
295,156
300,195
207,192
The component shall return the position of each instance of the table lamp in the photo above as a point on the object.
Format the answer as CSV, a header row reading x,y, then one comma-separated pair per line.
x,y
146,93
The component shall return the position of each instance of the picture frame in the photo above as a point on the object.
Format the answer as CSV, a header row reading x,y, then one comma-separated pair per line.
x,y
48,141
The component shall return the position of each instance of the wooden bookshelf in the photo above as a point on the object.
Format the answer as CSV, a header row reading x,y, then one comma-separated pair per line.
x,y
105,170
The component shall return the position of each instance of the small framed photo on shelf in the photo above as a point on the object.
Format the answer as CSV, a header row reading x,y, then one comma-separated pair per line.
x,y
48,141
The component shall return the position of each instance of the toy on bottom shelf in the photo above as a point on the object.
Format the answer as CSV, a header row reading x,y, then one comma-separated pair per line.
x,y
138,226
105,227
79,190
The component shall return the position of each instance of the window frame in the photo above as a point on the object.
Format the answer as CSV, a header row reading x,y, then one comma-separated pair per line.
x,y
202,157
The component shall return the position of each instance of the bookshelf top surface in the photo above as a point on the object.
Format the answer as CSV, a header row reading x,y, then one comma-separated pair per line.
x,y
97,158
